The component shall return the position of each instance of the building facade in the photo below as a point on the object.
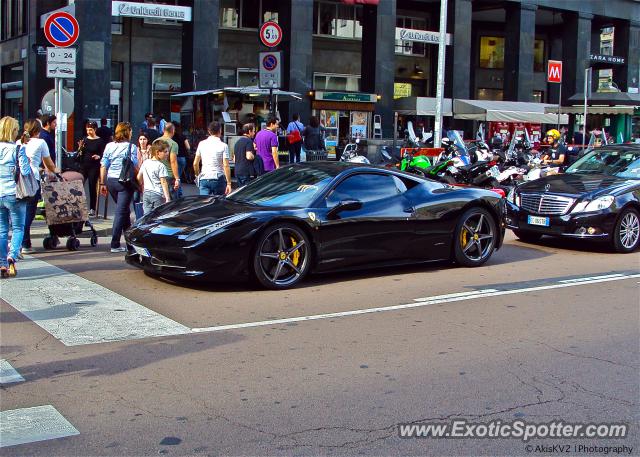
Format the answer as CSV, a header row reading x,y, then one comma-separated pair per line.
x,y
132,56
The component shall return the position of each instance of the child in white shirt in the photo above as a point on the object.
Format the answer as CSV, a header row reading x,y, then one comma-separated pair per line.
x,y
153,176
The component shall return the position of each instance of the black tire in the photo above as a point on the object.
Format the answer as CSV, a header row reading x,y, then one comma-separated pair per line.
x,y
626,234
282,256
475,237
55,242
94,241
527,237
47,243
73,244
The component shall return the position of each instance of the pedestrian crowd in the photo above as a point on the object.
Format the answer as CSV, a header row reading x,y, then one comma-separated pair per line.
x,y
157,160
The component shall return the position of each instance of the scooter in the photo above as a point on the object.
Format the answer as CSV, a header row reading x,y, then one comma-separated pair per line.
x,y
351,154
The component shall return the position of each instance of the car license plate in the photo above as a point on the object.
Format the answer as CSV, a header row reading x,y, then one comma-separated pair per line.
x,y
141,251
534,220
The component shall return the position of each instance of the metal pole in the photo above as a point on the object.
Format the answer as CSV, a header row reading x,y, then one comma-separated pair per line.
x,y
587,73
58,113
437,134
559,102
395,132
271,100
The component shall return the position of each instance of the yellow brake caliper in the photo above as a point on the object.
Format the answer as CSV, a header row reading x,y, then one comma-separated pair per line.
x,y
463,237
295,258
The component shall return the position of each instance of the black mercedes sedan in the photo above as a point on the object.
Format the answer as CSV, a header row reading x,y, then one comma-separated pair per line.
x,y
317,217
598,198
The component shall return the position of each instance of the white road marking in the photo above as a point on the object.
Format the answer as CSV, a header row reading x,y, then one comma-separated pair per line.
x,y
457,294
8,374
592,277
77,311
28,425
428,301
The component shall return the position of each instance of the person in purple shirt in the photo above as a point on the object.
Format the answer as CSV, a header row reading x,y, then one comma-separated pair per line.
x,y
267,145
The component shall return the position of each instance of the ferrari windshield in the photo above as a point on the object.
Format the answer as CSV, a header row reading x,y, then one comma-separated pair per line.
x,y
293,186
620,163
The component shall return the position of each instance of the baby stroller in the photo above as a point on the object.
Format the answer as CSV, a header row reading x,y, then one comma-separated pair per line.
x,y
66,210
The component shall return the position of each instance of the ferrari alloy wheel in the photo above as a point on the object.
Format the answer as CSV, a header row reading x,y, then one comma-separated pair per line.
x,y
475,237
626,236
282,256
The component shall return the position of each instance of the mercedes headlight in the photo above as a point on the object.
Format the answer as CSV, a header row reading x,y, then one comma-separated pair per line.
x,y
512,197
598,204
201,232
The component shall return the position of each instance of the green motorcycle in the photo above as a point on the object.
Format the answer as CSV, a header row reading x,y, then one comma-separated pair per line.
x,y
417,164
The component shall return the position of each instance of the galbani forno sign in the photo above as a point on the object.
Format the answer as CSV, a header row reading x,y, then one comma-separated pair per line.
x,y
151,11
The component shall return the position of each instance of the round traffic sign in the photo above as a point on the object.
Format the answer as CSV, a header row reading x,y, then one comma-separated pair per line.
x,y
270,62
270,34
48,102
61,29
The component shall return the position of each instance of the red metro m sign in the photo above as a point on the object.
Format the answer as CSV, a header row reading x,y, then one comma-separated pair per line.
x,y
554,71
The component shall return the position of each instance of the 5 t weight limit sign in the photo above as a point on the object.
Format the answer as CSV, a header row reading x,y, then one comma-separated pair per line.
x,y
270,34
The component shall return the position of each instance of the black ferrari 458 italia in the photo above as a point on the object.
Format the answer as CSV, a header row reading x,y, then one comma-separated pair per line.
x,y
597,198
317,217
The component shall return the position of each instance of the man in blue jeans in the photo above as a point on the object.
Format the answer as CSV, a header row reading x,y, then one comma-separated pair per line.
x,y
215,177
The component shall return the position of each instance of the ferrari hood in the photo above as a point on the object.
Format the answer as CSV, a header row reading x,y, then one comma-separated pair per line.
x,y
193,212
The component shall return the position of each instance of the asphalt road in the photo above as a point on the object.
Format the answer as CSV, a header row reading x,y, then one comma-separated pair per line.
x,y
554,336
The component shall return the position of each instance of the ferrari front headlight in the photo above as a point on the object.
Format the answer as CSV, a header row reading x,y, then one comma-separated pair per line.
x,y
201,232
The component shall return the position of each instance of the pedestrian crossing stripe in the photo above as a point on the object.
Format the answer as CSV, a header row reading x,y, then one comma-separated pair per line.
x,y
29,425
8,374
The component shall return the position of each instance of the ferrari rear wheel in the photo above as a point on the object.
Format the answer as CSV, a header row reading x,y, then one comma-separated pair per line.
x,y
282,256
475,237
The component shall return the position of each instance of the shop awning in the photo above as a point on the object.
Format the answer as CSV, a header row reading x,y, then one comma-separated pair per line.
x,y
251,91
607,98
499,111
596,109
198,92
421,106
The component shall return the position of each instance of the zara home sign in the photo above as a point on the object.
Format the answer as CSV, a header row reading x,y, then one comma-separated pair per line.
x,y
420,35
151,11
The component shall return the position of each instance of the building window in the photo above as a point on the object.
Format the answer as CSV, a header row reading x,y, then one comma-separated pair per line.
x,y
332,81
247,14
248,77
490,94
538,96
412,48
341,21
606,41
491,52
538,56
13,18
167,80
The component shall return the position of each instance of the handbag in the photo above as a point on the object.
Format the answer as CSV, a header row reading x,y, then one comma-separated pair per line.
x,y
128,173
26,185
294,137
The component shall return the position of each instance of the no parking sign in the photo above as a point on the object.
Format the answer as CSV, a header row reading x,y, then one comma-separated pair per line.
x,y
61,29
270,73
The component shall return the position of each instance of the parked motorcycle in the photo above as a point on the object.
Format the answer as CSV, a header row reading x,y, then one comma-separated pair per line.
x,y
352,154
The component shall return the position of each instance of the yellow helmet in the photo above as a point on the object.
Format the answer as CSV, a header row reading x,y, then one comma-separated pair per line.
x,y
554,133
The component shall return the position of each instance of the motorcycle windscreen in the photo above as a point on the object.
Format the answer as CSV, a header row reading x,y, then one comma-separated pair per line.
x,y
454,136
